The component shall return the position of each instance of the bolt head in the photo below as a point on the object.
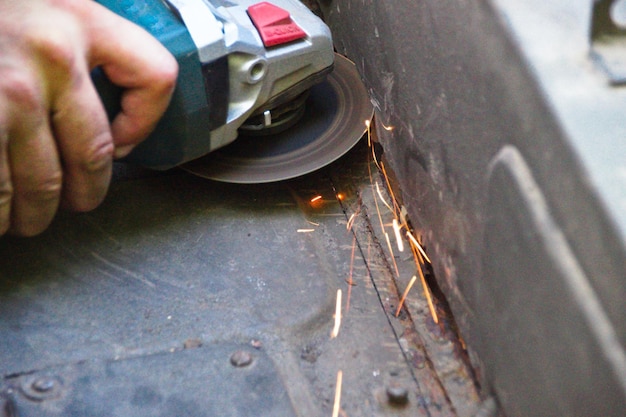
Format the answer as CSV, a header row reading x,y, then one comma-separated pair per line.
x,y
41,387
397,394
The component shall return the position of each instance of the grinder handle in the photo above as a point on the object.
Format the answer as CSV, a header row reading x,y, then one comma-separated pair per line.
x,y
182,133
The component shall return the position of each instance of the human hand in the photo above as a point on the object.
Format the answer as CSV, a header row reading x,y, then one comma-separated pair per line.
x,y
56,144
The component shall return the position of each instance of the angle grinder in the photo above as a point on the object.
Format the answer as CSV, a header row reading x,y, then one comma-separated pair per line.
x,y
260,77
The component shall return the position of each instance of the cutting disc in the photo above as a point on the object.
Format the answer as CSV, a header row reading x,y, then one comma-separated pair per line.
x,y
335,119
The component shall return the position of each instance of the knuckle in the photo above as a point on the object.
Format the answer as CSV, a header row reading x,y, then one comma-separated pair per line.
x,y
99,154
165,74
22,91
45,190
6,194
55,51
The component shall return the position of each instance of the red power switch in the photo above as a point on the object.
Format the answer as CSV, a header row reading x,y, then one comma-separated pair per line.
x,y
274,24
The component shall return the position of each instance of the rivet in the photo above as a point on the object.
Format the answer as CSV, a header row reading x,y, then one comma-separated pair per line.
x,y
241,359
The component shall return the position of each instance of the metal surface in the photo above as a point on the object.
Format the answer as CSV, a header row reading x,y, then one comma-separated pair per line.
x,y
182,296
333,122
196,382
508,144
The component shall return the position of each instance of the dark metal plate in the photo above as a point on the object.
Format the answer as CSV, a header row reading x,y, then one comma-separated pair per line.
x,y
226,380
333,123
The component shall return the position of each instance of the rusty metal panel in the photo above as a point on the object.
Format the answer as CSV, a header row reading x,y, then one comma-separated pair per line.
x,y
455,84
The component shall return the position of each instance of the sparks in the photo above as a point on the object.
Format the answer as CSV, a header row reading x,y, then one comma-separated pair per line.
x,y
429,299
335,331
393,257
350,282
396,230
369,249
387,128
351,221
418,246
380,194
393,197
336,405
316,198
374,156
406,292
380,217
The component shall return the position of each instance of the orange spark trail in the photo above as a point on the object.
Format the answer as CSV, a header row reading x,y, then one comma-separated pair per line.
x,y
406,292
392,255
393,197
429,299
382,198
418,246
380,218
396,230
350,221
336,405
350,282
335,331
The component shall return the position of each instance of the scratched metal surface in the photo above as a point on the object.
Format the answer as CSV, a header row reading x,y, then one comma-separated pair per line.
x,y
118,305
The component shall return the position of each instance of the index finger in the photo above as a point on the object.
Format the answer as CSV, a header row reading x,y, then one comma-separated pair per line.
x,y
136,61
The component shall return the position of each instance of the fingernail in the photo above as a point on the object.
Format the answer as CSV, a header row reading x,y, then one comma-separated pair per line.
x,y
122,151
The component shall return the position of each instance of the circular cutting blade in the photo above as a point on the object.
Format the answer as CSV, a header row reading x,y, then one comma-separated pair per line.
x,y
334,121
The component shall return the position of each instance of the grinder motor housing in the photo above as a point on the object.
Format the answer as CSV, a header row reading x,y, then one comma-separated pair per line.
x,y
236,59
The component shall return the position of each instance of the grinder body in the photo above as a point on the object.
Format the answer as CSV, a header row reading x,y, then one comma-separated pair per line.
x,y
236,59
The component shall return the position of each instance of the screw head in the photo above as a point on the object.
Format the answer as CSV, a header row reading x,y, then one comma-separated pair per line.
x,y
241,359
